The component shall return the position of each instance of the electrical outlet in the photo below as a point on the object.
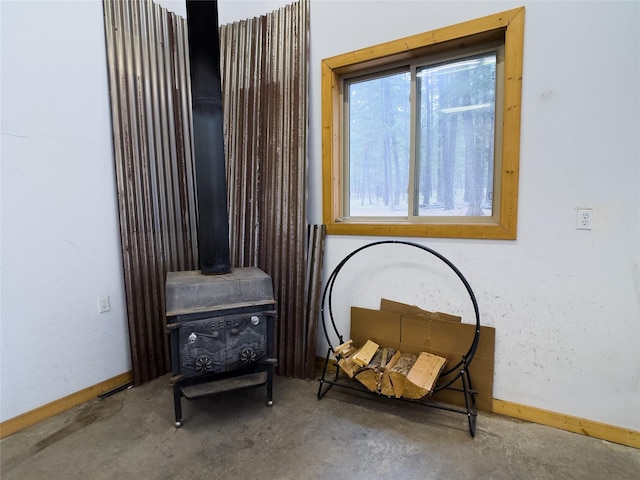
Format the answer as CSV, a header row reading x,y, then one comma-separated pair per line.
x,y
585,219
103,304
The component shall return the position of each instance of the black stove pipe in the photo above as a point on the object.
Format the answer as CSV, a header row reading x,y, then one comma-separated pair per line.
x,y
208,136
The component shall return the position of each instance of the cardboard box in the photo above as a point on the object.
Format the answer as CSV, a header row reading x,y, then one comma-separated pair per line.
x,y
415,333
391,306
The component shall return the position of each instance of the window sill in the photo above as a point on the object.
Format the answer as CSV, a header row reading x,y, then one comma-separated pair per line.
x,y
470,230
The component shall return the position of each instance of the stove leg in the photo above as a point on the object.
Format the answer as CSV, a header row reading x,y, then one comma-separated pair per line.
x,y
270,386
177,403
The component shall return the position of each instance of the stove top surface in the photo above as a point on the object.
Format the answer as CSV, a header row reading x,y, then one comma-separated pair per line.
x,y
192,292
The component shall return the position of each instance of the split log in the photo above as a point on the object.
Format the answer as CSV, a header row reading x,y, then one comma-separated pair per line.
x,y
363,356
371,375
343,354
348,366
387,353
385,383
344,350
398,373
422,376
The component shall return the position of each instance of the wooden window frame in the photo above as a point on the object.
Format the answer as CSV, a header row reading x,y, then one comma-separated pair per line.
x,y
506,26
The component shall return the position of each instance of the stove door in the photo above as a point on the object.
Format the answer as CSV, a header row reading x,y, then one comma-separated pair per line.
x,y
222,344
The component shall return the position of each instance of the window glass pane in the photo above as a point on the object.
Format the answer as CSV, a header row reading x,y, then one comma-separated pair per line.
x,y
455,117
378,147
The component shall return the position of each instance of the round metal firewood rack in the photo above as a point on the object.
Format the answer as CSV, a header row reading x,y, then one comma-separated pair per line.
x,y
459,371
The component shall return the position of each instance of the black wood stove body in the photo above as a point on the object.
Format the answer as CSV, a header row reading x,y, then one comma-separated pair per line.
x,y
221,332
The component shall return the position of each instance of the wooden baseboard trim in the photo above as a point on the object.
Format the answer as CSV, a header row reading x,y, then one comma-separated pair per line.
x,y
611,433
39,414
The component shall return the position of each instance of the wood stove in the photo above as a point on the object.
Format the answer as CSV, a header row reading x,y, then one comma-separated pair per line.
x,y
220,320
221,332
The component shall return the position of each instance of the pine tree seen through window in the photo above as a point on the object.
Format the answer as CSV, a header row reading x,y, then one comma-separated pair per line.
x,y
449,166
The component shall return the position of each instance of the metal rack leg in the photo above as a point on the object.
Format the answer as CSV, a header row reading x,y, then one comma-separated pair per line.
x,y
470,401
322,378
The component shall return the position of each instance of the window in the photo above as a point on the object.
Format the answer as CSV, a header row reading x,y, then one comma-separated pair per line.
x,y
421,135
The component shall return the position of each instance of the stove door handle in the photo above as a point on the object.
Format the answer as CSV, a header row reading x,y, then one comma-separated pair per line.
x,y
200,334
255,320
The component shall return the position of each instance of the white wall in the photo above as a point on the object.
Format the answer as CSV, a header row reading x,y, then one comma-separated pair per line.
x,y
60,241
230,10
565,303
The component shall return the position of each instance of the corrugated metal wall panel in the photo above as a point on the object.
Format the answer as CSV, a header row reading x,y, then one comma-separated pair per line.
x,y
265,84
241,57
316,237
154,172
264,68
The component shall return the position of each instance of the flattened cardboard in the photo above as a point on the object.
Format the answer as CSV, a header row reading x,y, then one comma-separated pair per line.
x,y
415,334
392,306
444,334
382,328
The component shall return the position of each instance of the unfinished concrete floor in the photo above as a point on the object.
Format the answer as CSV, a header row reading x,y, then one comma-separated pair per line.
x,y
345,435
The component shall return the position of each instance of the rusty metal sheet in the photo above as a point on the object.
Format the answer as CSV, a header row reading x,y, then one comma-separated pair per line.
x,y
265,82
154,172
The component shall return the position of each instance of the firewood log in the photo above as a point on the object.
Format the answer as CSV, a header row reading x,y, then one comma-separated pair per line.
x,y
363,356
371,375
349,366
344,350
398,373
423,375
385,383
